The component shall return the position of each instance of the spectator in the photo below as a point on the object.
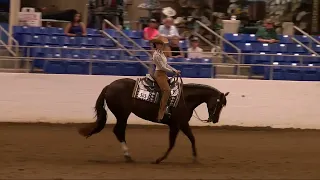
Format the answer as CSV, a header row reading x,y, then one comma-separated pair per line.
x,y
151,32
175,47
76,27
267,33
168,30
195,51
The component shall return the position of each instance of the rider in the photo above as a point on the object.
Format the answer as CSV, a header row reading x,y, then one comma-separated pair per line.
x,y
160,75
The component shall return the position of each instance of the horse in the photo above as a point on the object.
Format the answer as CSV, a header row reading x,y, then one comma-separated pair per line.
x,y
141,97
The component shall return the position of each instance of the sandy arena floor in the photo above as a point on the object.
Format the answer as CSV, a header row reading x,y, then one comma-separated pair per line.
x,y
58,152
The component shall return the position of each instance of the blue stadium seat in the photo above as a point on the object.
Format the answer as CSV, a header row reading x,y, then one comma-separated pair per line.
x,y
304,39
56,31
285,39
262,47
86,41
55,67
98,68
312,59
190,70
296,48
206,69
293,73
249,38
77,67
245,47
130,69
112,68
93,32
277,72
279,58
316,47
69,41
233,37
112,32
260,59
279,48
53,40
104,42
184,44
297,58
311,73
26,30
132,34
41,31
171,61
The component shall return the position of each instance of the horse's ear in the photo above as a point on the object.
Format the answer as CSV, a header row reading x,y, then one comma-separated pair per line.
x,y
226,94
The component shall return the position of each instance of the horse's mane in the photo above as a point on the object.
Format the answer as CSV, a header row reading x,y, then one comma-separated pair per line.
x,y
202,86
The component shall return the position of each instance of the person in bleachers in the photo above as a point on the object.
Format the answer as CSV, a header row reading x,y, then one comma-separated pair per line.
x,y
195,51
160,74
267,32
151,31
175,50
76,27
168,30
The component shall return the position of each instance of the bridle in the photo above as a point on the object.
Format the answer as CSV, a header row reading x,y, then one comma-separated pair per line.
x,y
176,78
210,114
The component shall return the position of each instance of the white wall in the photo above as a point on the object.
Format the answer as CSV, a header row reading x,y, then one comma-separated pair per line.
x,y
70,98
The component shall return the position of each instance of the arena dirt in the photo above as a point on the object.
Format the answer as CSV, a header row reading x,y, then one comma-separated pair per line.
x,y
42,151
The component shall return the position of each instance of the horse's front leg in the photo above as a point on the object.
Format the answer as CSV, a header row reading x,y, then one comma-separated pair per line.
x,y
185,128
173,133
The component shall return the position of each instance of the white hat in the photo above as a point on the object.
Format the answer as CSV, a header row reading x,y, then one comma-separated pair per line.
x,y
169,12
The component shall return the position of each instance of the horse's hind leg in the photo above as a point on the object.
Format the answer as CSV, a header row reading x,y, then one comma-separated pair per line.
x,y
120,131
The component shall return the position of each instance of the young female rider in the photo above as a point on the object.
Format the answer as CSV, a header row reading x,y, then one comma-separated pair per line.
x,y
162,67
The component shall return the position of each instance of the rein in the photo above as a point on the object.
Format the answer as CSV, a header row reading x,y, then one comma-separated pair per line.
x,y
196,114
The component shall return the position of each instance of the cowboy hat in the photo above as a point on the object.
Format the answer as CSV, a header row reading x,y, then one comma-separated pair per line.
x,y
169,12
160,40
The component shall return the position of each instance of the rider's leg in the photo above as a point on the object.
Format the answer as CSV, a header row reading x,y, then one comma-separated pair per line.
x,y
162,80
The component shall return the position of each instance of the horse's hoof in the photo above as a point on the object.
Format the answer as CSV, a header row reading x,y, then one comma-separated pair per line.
x,y
158,161
129,159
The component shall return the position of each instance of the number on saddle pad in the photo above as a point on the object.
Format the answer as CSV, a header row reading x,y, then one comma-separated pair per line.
x,y
143,95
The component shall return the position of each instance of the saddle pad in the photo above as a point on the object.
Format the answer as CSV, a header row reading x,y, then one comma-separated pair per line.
x,y
150,92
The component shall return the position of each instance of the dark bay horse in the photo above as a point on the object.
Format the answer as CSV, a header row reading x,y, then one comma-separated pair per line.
x,y
118,97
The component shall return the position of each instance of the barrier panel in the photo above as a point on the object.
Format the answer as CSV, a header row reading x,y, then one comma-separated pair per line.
x,y
71,98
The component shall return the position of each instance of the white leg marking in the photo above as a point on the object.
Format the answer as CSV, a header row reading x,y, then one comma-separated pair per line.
x,y
125,148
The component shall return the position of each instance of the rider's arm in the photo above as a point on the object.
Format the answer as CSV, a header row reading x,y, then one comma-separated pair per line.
x,y
158,60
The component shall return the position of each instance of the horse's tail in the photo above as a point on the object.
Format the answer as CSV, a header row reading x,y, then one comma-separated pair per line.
x,y
101,115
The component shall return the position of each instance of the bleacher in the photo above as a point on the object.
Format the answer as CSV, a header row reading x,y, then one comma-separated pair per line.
x,y
257,53
56,53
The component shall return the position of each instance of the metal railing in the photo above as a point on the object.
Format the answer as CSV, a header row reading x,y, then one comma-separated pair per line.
x,y
127,37
226,41
13,49
125,49
271,61
214,46
306,34
306,47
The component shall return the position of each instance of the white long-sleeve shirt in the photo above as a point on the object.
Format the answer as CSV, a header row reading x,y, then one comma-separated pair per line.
x,y
168,32
160,60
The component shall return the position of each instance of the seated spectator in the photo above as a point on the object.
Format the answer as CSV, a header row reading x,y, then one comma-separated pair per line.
x,y
151,32
168,30
267,33
76,27
195,51
175,47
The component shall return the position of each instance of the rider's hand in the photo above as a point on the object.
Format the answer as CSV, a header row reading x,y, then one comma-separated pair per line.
x,y
178,72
